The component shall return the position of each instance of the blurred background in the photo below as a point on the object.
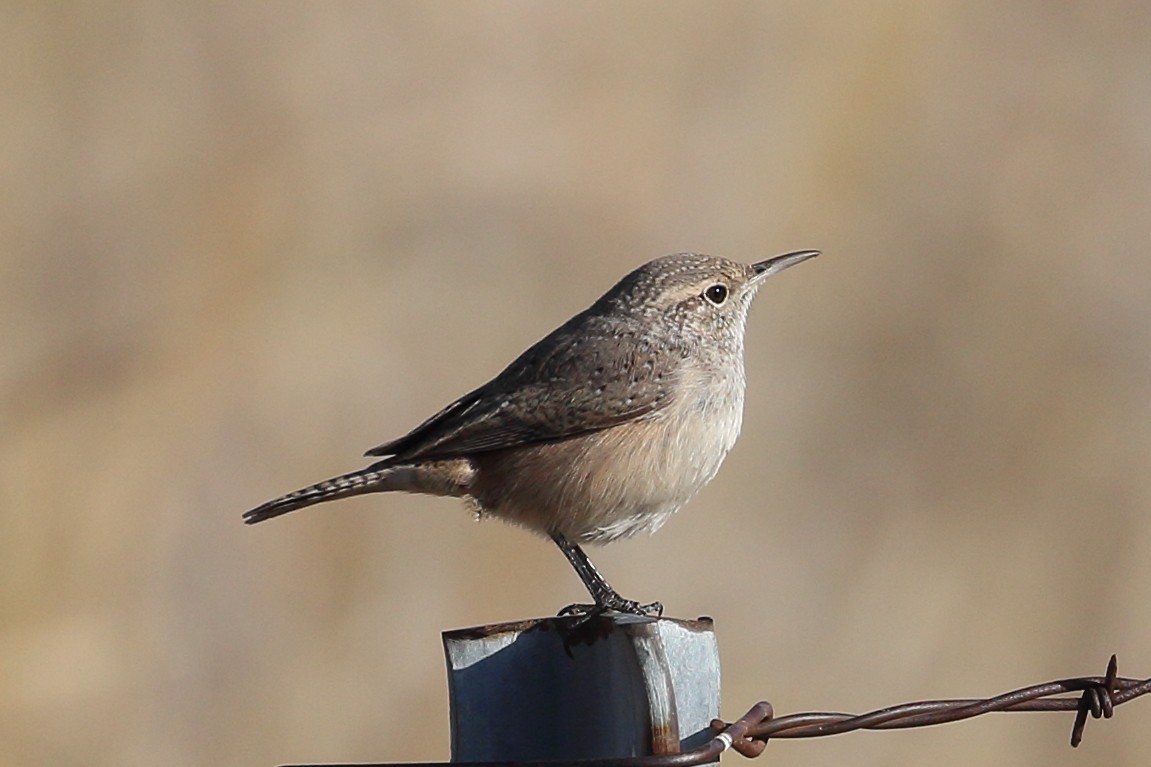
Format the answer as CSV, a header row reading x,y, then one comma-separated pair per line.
x,y
241,243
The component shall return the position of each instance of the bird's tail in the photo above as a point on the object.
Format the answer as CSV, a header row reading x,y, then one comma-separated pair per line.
x,y
369,480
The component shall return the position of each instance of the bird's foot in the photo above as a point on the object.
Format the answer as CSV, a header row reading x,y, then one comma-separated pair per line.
x,y
605,598
613,602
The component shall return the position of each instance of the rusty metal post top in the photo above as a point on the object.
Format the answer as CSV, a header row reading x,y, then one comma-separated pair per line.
x,y
574,625
609,686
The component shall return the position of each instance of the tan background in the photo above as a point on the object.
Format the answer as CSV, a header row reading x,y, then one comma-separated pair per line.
x,y
240,243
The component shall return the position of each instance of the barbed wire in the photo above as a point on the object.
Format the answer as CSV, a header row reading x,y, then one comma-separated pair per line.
x,y
1097,697
1093,696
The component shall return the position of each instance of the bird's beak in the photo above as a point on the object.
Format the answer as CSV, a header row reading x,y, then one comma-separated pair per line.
x,y
765,269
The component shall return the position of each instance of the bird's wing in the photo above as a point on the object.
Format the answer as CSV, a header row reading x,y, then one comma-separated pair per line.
x,y
586,376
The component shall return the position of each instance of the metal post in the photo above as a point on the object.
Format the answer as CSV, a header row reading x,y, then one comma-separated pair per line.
x,y
613,686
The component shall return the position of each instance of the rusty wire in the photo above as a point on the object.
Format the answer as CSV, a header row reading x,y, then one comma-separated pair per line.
x,y
1097,697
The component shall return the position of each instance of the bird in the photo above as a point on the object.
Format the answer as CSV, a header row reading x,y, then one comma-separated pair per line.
x,y
599,431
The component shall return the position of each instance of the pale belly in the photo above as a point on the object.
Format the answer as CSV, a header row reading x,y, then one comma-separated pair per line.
x,y
617,482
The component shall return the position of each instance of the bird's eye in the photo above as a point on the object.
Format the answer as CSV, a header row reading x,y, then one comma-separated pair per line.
x,y
717,294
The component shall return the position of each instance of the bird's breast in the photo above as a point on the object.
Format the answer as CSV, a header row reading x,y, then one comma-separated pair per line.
x,y
620,481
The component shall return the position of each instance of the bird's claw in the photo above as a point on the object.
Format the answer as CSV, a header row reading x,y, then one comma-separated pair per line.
x,y
613,603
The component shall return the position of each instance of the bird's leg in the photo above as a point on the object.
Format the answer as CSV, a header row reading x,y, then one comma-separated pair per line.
x,y
605,597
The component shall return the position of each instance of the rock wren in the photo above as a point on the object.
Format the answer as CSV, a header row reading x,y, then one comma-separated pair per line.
x,y
599,431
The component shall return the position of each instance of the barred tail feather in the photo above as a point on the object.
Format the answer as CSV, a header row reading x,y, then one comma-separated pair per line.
x,y
367,480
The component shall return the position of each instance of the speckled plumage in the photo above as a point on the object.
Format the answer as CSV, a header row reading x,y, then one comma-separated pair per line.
x,y
603,428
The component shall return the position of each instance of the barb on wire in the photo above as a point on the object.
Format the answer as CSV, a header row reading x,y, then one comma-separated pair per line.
x,y
1097,697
